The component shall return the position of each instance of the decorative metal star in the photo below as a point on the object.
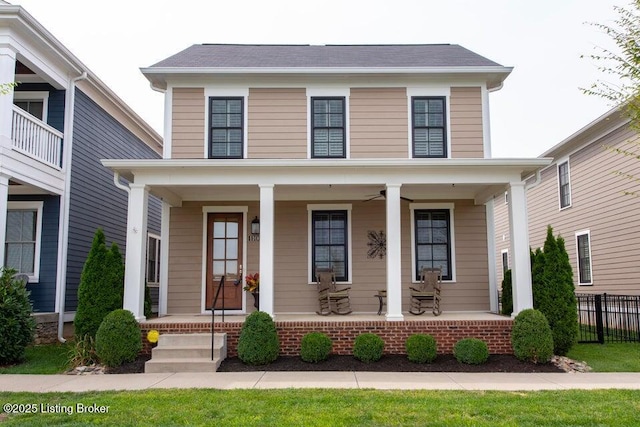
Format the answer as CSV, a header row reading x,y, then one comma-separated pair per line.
x,y
377,244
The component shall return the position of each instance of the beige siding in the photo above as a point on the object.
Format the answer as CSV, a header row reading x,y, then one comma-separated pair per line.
x,y
502,236
599,205
378,122
277,124
294,294
466,123
187,123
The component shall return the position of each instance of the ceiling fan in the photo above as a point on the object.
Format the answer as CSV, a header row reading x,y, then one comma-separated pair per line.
x,y
383,194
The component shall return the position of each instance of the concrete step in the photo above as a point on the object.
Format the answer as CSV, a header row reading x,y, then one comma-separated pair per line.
x,y
190,352
181,365
189,339
187,353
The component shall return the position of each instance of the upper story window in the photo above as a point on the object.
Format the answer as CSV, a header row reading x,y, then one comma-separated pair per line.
x,y
328,127
429,127
34,103
226,128
564,184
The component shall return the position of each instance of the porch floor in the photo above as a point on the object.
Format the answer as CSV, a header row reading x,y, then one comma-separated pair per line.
x,y
312,317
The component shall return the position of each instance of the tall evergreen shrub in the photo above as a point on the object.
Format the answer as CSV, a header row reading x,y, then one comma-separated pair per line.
x,y
17,327
101,286
507,294
554,292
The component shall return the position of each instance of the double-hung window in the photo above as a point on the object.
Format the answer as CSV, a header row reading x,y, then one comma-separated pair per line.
x,y
432,228
584,258
226,128
564,185
328,127
22,244
330,242
429,127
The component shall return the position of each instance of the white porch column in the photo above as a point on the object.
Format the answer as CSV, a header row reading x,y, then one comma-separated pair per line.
x,y
136,250
521,261
394,256
4,197
266,248
7,75
164,259
491,252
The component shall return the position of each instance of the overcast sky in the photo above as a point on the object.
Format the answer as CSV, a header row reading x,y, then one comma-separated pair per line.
x,y
539,105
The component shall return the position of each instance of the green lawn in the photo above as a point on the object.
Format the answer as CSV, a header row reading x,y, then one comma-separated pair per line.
x,y
610,357
314,407
42,359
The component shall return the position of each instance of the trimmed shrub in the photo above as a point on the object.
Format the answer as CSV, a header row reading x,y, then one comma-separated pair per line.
x,y
17,327
101,286
118,339
258,343
554,292
471,351
315,347
421,348
368,347
531,337
507,294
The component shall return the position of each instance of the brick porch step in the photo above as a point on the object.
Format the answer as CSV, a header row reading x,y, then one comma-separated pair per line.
x,y
187,353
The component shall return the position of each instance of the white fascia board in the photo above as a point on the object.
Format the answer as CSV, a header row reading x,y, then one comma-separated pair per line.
x,y
305,172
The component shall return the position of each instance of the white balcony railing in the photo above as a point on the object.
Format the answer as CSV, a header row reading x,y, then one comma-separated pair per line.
x,y
35,138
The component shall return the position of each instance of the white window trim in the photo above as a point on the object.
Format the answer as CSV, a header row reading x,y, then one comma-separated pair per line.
x,y
156,237
588,234
37,206
502,254
561,162
329,207
506,197
34,96
222,209
226,92
329,92
420,206
429,91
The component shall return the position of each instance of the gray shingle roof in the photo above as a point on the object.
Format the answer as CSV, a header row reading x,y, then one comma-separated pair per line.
x,y
329,56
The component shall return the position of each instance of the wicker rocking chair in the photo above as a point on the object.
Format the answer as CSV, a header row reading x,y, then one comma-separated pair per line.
x,y
427,294
331,299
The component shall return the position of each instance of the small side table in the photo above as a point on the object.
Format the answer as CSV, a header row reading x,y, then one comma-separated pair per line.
x,y
382,299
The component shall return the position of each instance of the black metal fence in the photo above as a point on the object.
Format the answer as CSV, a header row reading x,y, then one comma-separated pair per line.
x,y
608,318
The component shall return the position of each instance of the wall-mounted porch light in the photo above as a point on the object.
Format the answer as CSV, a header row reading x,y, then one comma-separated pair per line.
x,y
255,226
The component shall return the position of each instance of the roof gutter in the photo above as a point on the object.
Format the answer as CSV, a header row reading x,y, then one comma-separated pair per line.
x,y
63,230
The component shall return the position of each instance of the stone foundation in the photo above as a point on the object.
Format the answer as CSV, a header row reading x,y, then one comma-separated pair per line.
x,y
496,333
46,328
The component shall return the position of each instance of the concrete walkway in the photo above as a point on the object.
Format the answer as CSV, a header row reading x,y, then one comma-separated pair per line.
x,y
362,380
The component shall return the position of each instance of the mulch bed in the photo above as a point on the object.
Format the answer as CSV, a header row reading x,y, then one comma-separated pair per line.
x,y
391,363
388,363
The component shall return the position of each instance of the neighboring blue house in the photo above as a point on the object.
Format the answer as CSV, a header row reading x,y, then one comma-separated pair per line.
x,y
55,126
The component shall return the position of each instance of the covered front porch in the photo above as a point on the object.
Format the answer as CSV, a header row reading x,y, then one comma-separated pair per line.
x,y
287,197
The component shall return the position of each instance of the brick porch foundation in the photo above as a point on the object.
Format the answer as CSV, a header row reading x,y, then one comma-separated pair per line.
x,y
496,333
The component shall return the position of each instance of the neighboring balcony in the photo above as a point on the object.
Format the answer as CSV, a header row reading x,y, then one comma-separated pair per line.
x,y
36,139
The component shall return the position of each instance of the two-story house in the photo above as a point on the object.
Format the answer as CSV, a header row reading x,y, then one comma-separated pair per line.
x,y
55,125
321,145
582,195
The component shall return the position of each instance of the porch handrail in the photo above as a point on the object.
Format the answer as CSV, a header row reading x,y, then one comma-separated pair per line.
x,y
213,307
36,138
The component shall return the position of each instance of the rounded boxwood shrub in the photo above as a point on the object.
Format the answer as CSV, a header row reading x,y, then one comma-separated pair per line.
x,y
16,324
531,337
118,339
258,343
315,347
368,347
471,351
421,348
